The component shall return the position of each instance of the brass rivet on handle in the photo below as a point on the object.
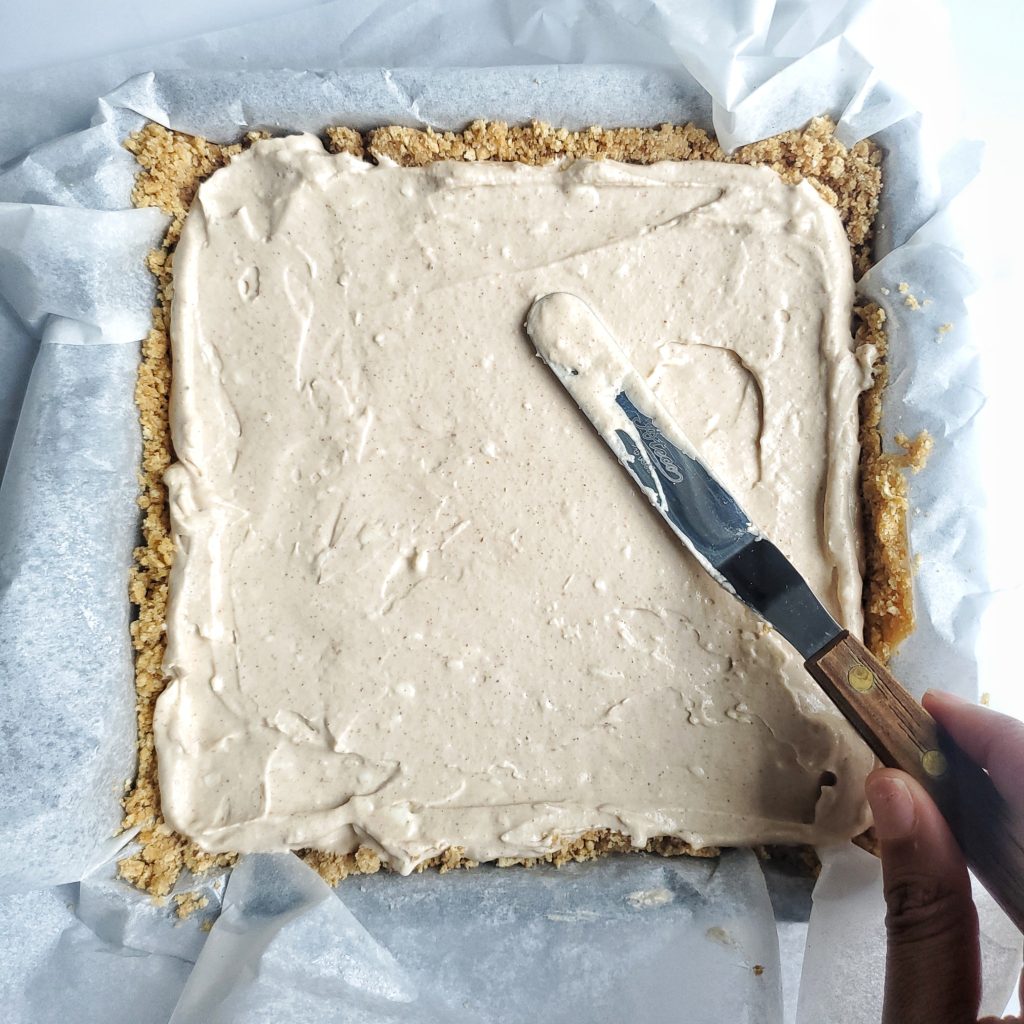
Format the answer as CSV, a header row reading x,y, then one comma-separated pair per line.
x,y
861,678
934,763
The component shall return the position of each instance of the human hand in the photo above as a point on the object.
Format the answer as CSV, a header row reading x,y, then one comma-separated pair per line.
x,y
933,961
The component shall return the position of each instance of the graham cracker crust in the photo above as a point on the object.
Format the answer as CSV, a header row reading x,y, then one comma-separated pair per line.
x,y
173,165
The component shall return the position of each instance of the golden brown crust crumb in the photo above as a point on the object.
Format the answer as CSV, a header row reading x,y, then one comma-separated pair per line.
x,y
849,179
888,579
187,903
539,143
173,165
601,842
345,140
336,867
803,860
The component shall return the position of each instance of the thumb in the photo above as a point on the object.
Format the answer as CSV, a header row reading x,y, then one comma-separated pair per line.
x,y
932,972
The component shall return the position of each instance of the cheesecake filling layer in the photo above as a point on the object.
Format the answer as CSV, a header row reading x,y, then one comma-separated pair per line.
x,y
415,602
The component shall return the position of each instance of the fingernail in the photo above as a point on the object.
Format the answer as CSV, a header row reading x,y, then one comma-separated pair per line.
x,y
892,805
943,695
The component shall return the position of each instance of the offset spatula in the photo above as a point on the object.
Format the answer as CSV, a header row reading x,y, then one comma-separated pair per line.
x,y
575,344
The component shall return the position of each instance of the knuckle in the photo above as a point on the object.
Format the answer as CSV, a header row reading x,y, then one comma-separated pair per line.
x,y
921,908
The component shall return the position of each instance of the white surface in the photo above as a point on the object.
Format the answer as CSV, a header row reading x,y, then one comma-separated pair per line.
x,y
986,38
50,32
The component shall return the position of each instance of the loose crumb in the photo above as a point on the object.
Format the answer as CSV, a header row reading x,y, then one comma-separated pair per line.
x,y
910,300
187,903
173,165
915,451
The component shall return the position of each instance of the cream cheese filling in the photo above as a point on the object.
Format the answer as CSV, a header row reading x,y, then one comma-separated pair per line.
x,y
415,602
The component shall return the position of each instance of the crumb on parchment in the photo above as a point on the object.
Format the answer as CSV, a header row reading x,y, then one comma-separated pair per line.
x,y
172,165
909,299
187,903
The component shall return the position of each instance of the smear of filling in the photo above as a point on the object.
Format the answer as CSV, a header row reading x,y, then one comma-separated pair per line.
x,y
415,604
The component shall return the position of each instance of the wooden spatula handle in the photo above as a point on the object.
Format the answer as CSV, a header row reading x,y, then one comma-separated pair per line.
x,y
903,735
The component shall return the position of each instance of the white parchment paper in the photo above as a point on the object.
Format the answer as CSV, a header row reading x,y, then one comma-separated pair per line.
x,y
600,939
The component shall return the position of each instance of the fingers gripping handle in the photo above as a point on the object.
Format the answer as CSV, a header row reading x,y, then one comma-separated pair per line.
x,y
903,735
